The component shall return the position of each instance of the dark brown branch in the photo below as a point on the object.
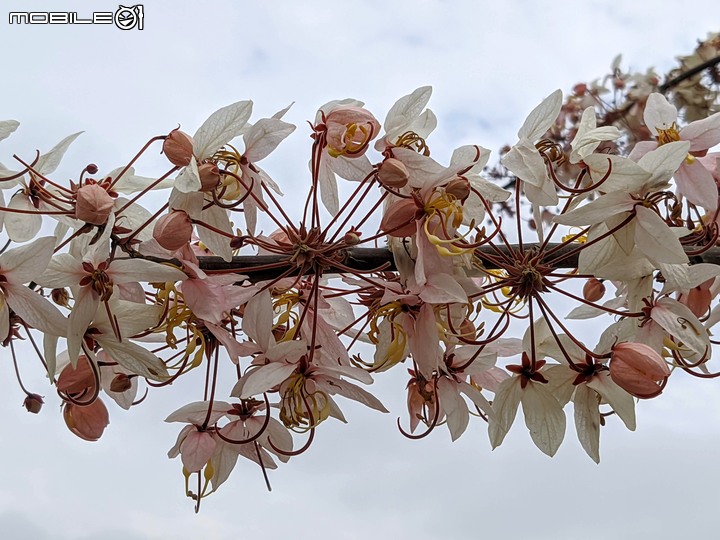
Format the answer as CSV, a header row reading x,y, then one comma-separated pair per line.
x,y
366,259
689,73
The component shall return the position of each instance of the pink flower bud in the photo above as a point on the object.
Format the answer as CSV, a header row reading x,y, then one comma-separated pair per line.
x,y
638,369
350,130
459,188
88,422
393,173
33,403
209,176
78,380
120,383
593,290
173,230
93,204
178,148
699,298
400,219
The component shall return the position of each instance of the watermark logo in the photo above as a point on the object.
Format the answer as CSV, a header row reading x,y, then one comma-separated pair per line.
x,y
125,17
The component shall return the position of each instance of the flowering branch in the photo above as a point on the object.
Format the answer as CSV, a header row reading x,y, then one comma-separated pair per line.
x,y
615,219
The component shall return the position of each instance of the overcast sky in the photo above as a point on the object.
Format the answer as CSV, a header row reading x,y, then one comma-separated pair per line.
x,y
490,63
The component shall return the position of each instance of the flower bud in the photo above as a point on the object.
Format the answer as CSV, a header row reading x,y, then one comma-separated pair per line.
x,y
33,403
580,89
638,369
459,188
352,238
92,168
121,383
209,176
173,230
78,380
400,219
593,290
87,422
698,298
61,297
93,204
178,148
393,173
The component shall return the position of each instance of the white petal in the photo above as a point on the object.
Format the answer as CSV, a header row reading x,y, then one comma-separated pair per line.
x,y
22,227
659,113
7,127
621,402
264,136
505,405
219,244
188,180
220,128
407,108
544,418
136,359
655,239
35,310
625,175
48,162
328,187
541,117
587,420
25,263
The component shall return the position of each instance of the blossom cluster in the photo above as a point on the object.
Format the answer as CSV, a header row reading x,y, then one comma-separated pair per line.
x,y
286,321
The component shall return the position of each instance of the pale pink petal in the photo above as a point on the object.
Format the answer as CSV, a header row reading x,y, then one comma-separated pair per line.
x,y
697,184
262,379
196,450
455,408
702,134
197,412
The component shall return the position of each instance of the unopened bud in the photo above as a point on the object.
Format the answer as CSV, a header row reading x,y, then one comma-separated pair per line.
x,y
60,297
92,168
121,383
209,176
580,89
459,188
33,403
393,173
638,369
593,290
352,238
173,230
178,148
93,204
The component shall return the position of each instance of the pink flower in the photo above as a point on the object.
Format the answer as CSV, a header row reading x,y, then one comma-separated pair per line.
x,y
350,130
